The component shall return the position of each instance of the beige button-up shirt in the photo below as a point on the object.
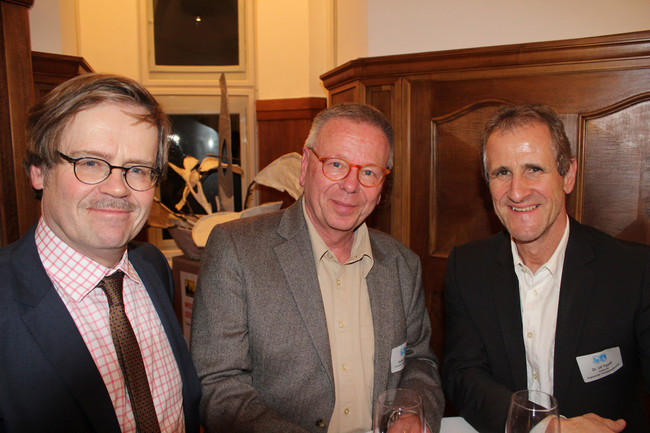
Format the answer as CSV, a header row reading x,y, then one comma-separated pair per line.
x,y
349,324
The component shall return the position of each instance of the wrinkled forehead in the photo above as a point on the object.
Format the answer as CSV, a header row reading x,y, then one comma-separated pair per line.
x,y
341,136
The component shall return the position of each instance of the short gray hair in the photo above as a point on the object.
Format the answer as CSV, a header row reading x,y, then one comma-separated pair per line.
x,y
358,113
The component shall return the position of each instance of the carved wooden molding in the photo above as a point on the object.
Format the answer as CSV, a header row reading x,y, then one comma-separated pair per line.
x,y
293,108
611,50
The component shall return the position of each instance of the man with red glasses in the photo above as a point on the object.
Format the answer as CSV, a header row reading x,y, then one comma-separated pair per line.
x,y
303,317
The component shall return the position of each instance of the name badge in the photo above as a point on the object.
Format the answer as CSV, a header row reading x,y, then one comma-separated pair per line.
x,y
600,364
397,356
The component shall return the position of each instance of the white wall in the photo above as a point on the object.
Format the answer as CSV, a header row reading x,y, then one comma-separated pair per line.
x,y
408,26
45,29
109,36
352,29
292,47
297,40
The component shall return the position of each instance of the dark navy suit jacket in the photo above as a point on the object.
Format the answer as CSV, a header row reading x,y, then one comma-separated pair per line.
x,y
48,379
604,303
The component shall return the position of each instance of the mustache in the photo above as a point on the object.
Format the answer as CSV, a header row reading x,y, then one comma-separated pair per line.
x,y
111,203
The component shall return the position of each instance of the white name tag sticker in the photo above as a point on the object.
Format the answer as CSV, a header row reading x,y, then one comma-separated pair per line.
x,y
397,356
600,364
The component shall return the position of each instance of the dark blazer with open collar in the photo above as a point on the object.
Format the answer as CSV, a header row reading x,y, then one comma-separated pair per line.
x,y
604,303
48,379
259,333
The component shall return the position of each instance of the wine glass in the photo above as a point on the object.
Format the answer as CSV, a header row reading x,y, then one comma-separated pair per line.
x,y
533,412
399,410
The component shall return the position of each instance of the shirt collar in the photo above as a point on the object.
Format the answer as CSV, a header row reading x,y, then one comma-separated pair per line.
x,y
555,263
360,245
70,270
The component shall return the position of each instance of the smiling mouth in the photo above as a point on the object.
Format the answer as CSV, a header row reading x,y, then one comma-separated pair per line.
x,y
524,209
340,203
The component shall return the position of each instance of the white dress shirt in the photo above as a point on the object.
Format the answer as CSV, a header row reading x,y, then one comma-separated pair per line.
x,y
539,295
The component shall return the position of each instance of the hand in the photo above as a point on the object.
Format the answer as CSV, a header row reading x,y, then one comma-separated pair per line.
x,y
591,423
407,423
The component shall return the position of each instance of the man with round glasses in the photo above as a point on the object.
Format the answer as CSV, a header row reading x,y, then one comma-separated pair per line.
x,y
303,317
89,340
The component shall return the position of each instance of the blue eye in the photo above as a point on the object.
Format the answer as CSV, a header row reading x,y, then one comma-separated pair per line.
x,y
89,163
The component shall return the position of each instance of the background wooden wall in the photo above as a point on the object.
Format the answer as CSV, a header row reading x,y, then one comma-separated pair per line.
x,y
438,103
282,127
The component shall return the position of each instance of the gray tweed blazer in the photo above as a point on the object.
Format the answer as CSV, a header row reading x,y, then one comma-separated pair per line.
x,y
259,335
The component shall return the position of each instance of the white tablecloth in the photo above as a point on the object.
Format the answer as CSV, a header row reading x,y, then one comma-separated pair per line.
x,y
456,424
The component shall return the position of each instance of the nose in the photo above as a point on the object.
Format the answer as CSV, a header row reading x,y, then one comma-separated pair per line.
x,y
115,184
350,183
519,188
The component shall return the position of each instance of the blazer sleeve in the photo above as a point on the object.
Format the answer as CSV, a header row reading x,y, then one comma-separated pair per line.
x,y
467,377
220,346
421,365
643,324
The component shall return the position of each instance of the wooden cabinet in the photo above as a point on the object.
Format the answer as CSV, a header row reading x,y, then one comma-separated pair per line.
x,y
438,103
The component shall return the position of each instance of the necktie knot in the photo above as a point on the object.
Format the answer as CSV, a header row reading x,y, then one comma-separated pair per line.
x,y
112,286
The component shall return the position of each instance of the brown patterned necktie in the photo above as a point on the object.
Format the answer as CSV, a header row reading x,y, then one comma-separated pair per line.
x,y
128,353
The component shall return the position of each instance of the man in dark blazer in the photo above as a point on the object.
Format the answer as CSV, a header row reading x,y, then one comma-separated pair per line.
x,y
548,304
97,147
264,340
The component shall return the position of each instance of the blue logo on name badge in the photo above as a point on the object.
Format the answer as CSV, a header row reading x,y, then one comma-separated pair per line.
x,y
599,358
403,351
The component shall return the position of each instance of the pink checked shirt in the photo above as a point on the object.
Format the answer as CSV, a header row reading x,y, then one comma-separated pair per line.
x,y
75,278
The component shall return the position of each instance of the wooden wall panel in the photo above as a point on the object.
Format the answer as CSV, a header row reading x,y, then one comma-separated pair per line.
x,y
24,76
616,173
50,70
18,207
282,127
440,101
455,176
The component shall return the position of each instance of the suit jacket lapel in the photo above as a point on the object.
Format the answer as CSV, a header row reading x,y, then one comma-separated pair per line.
x,y
383,288
577,284
297,262
53,329
505,290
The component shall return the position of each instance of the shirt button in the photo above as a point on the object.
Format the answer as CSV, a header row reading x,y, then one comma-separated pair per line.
x,y
535,292
345,367
341,324
346,411
529,335
535,376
